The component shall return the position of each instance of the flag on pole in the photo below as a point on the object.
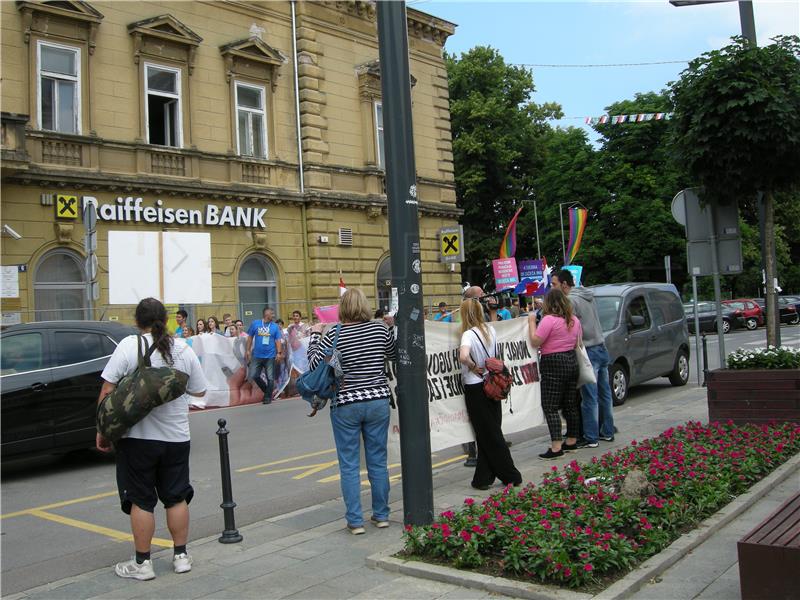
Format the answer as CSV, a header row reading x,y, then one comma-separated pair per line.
x,y
577,225
342,287
509,245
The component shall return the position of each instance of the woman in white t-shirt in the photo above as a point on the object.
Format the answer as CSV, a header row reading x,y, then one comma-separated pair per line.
x,y
153,456
478,342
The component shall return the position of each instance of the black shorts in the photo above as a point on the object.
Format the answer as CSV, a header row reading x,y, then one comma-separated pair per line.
x,y
151,470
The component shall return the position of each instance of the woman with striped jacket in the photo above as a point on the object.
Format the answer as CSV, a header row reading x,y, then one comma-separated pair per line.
x,y
361,407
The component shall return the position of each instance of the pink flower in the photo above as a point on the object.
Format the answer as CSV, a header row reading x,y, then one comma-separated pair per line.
x,y
409,528
588,567
567,572
469,501
465,535
448,514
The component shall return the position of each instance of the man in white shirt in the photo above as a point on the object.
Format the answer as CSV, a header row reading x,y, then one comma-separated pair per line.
x,y
153,456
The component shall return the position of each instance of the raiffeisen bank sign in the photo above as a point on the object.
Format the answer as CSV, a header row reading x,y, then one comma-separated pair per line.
x,y
133,210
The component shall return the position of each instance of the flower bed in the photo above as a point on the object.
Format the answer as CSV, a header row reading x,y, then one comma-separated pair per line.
x,y
770,357
577,528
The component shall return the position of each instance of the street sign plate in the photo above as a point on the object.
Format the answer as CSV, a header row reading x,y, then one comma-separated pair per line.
x,y
89,216
451,244
91,267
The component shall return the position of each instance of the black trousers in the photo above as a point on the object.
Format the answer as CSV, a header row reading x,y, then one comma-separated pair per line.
x,y
559,373
494,457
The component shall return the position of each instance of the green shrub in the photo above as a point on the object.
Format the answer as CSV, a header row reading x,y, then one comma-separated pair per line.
x,y
770,357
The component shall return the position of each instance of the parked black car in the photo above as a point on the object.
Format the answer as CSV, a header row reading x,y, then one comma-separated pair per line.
x,y
707,311
50,380
787,307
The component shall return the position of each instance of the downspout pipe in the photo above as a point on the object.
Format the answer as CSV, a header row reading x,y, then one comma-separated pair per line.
x,y
301,176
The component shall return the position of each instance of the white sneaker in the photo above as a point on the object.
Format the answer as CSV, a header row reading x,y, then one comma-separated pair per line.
x,y
380,523
133,570
182,563
356,529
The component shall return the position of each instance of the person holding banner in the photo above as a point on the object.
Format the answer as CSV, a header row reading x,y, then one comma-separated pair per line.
x,y
479,342
558,335
361,406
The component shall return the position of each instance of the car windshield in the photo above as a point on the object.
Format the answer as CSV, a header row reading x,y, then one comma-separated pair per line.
x,y
608,311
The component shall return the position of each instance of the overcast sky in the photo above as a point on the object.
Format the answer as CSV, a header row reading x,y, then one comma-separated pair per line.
x,y
601,33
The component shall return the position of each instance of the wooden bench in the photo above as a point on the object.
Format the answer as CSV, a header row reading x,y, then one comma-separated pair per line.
x,y
769,556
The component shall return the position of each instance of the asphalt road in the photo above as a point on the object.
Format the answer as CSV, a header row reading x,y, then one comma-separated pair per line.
x,y
61,517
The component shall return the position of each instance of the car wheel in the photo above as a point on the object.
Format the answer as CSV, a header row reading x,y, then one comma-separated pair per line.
x,y
726,326
680,373
751,323
618,377
794,320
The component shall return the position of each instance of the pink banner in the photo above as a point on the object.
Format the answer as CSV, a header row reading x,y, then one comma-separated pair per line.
x,y
327,314
505,273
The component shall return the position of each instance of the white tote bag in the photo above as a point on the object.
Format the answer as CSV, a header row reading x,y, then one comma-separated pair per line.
x,y
585,369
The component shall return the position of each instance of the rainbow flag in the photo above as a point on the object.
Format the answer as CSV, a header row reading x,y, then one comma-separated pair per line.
x,y
577,225
509,245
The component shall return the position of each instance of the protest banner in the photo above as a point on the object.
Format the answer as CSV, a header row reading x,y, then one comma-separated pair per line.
x,y
449,423
327,314
577,272
222,360
505,273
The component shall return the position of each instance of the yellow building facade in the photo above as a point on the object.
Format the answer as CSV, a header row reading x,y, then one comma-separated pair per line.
x,y
187,117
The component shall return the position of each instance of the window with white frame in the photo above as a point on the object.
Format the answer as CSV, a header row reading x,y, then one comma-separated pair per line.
x,y
251,128
379,134
59,88
163,105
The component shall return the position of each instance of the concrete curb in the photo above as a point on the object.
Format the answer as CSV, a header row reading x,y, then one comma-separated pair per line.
x,y
623,588
468,579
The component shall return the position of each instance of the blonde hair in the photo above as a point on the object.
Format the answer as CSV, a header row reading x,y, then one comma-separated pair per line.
x,y
353,307
556,304
472,316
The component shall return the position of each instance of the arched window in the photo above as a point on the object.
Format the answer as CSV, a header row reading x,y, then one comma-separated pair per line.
x,y
384,284
60,287
258,287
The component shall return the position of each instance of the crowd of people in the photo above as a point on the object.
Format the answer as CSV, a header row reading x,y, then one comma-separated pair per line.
x,y
153,457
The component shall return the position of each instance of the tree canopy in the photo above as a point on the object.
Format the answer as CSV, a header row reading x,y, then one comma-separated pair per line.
x,y
497,130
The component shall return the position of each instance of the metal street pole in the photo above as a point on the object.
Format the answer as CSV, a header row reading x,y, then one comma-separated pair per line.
x,y
710,211
401,189
536,221
747,21
696,327
563,247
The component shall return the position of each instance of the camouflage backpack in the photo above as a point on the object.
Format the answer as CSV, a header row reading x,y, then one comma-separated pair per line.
x,y
138,393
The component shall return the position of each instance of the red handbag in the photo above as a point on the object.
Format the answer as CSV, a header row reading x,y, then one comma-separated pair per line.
x,y
497,380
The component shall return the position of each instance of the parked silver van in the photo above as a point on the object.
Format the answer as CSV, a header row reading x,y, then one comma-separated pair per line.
x,y
645,333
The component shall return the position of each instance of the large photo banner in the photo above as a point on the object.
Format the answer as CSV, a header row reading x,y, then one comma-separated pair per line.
x,y
223,363
222,359
449,423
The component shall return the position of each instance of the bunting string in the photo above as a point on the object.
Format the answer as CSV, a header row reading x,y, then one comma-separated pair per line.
x,y
620,119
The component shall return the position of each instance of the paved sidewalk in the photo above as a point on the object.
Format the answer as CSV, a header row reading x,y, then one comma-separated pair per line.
x,y
309,554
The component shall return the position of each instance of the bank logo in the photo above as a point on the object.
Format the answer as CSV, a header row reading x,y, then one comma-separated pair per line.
x,y
66,207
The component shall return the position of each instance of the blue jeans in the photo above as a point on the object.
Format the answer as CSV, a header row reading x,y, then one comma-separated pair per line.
x,y
351,421
596,405
267,365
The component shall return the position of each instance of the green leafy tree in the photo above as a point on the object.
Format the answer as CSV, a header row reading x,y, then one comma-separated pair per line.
x,y
497,130
737,129
568,173
632,228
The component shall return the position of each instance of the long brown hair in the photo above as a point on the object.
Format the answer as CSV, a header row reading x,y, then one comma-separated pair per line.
x,y
557,304
151,314
472,316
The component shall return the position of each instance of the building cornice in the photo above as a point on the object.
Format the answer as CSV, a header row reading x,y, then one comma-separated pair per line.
x,y
126,185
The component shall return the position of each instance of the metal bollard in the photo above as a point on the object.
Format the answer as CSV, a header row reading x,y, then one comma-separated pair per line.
x,y
231,535
705,360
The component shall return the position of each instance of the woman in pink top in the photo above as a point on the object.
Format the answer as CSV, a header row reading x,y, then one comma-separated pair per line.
x,y
557,335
